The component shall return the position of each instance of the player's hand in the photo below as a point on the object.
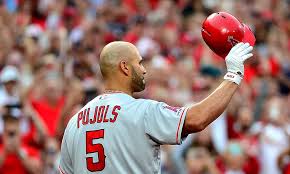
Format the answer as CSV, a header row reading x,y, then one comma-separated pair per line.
x,y
235,62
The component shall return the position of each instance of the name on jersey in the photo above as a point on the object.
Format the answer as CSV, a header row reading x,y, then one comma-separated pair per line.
x,y
101,115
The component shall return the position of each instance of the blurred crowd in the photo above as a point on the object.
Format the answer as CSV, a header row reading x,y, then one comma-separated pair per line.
x,y
49,54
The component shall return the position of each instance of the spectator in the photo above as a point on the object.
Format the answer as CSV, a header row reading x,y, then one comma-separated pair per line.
x,y
15,157
199,161
51,156
49,104
49,67
273,138
248,139
9,94
284,161
233,159
204,139
31,128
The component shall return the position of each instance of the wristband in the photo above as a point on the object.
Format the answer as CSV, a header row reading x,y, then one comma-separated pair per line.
x,y
233,77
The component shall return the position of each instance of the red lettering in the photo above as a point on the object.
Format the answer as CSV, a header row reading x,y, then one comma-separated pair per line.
x,y
100,114
92,121
86,116
80,117
105,115
115,113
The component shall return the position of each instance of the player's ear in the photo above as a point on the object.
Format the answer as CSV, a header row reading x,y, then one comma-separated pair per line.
x,y
124,67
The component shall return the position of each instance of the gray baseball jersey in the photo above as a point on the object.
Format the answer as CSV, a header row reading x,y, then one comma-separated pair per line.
x,y
116,133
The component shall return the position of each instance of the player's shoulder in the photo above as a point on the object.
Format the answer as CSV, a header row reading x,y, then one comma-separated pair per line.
x,y
153,105
144,103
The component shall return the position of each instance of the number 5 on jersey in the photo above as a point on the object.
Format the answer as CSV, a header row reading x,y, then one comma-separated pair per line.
x,y
95,148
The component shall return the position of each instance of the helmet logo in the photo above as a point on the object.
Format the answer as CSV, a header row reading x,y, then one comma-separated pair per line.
x,y
232,40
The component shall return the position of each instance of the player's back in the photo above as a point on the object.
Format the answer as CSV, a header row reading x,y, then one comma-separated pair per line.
x,y
115,133
108,136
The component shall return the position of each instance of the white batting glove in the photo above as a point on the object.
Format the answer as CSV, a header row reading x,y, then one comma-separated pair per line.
x,y
235,62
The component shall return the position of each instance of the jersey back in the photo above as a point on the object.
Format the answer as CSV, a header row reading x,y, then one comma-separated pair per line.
x,y
116,133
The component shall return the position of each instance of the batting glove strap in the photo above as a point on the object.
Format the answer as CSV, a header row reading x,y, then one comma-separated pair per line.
x,y
233,77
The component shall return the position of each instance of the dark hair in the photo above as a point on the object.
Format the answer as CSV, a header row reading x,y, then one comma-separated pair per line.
x,y
10,114
9,118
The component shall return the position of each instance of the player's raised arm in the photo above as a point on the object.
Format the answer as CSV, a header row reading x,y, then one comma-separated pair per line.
x,y
203,113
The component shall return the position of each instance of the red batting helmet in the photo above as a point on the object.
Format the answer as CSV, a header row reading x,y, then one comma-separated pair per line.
x,y
221,31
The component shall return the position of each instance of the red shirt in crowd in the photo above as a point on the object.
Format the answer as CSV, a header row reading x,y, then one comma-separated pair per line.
x,y
287,169
49,114
12,163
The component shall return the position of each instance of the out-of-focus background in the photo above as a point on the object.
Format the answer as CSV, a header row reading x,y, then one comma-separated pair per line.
x,y
49,54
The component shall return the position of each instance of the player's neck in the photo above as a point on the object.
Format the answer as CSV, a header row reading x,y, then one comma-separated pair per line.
x,y
110,91
117,89
117,85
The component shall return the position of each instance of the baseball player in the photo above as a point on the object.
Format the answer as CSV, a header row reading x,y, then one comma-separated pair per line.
x,y
116,133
